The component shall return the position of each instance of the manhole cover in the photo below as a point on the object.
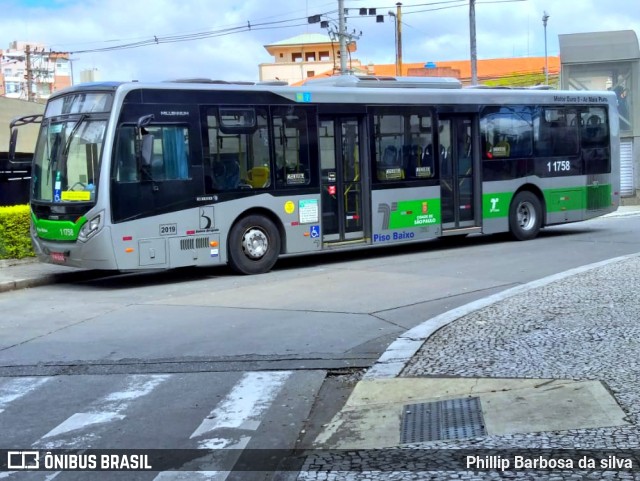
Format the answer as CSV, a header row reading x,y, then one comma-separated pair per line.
x,y
451,419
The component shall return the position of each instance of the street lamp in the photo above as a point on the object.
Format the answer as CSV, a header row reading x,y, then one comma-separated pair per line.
x,y
545,17
395,37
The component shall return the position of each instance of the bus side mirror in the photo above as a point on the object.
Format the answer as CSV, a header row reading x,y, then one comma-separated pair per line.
x,y
13,142
144,121
146,150
144,142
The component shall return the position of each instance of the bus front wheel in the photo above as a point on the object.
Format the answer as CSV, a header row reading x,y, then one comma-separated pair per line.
x,y
525,216
254,245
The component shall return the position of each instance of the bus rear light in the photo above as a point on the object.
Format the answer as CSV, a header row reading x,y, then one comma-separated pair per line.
x,y
129,250
91,228
127,238
213,243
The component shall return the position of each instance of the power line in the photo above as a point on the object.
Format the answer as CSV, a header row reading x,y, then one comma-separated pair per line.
x,y
157,40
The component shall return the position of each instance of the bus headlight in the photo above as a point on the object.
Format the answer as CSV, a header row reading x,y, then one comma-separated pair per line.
x,y
91,228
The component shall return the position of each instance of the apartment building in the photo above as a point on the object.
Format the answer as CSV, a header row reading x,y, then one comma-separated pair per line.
x,y
26,64
304,56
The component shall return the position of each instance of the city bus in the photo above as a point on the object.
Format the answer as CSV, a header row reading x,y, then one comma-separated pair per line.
x,y
131,176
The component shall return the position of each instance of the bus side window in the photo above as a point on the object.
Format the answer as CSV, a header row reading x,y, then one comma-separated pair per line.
x,y
125,164
594,140
290,134
169,158
236,149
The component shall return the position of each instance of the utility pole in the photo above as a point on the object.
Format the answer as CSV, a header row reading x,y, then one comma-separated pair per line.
x,y
545,17
399,39
342,37
29,72
472,33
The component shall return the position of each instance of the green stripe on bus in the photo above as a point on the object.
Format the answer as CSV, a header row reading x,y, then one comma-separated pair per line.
x,y
496,204
578,198
415,213
58,230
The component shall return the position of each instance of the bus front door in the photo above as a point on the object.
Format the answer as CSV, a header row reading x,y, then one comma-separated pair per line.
x,y
457,173
342,219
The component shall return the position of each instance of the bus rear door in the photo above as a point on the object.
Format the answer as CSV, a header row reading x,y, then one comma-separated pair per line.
x,y
459,183
340,163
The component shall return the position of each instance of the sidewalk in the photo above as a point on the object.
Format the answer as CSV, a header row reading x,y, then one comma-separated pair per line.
x,y
554,364
23,273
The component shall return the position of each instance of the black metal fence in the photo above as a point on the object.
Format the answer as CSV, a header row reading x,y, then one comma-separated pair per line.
x,y
15,178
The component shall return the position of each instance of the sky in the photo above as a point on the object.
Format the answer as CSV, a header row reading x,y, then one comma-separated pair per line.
x,y
224,39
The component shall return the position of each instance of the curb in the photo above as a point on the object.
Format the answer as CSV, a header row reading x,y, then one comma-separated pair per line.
x,y
400,352
25,283
47,279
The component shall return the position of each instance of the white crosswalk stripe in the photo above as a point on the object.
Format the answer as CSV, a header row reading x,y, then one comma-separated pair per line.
x,y
105,410
245,404
241,409
18,387
208,411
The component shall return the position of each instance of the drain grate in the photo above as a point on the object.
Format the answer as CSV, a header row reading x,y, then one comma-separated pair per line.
x,y
451,419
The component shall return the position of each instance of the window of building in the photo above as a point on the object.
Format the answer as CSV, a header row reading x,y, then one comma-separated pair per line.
x,y
12,87
404,147
310,73
310,57
324,56
296,57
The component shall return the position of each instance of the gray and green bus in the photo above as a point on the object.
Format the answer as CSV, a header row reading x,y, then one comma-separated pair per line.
x,y
131,176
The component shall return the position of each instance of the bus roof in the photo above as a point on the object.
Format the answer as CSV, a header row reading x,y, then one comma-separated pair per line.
x,y
368,89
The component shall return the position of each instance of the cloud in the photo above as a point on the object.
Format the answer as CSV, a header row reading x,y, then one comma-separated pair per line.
x,y
503,29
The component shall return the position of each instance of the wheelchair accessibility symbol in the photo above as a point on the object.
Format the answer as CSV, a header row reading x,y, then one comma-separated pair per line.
x,y
314,231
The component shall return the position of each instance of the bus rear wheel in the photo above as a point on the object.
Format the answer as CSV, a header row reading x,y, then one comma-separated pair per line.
x,y
525,216
254,245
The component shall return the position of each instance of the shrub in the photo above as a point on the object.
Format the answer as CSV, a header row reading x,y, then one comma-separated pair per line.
x,y
15,242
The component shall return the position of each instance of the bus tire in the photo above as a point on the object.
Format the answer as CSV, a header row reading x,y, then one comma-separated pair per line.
x,y
525,216
254,245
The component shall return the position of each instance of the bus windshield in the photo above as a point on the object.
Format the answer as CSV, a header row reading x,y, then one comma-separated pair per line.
x,y
67,160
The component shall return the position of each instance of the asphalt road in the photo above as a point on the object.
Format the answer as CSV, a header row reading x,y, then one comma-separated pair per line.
x,y
178,345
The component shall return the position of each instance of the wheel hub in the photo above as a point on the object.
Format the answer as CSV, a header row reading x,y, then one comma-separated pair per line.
x,y
526,216
255,243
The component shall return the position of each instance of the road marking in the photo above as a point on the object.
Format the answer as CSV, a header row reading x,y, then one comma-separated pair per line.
x,y
242,409
106,410
207,460
82,420
245,403
16,388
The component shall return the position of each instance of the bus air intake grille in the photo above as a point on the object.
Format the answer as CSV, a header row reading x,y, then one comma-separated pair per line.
x,y
202,242
194,243
187,244
451,419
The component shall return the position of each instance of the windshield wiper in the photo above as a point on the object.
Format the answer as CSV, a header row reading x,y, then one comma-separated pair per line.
x,y
52,155
65,152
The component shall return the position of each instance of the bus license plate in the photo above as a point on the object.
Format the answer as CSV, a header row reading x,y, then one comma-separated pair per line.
x,y
58,257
